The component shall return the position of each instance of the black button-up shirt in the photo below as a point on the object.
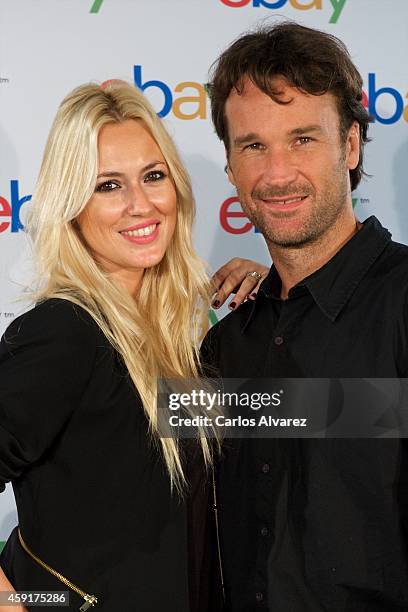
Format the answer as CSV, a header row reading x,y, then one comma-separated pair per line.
x,y
313,525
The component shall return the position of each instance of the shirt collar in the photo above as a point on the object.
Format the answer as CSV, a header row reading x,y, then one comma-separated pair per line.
x,y
334,283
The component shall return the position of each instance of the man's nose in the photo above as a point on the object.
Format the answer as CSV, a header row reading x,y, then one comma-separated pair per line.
x,y
279,166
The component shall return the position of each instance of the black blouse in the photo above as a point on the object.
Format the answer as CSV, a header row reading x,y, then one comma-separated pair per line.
x,y
92,492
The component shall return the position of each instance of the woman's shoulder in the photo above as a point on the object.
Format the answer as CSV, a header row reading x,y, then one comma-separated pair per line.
x,y
55,318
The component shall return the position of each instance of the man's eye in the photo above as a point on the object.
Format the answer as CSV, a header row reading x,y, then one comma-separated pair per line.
x,y
304,139
154,175
107,186
254,146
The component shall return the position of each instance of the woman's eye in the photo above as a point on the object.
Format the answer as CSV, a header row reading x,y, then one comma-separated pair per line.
x,y
107,186
154,175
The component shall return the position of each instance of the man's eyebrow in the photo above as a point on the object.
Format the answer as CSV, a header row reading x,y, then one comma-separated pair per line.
x,y
306,129
245,138
254,137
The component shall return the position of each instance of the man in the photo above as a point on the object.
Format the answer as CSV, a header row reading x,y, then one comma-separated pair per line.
x,y
309,525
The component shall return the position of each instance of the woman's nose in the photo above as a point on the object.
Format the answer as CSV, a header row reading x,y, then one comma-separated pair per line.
x,y
137,201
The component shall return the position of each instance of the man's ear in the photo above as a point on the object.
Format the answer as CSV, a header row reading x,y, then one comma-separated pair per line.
x,y
228,170
353,146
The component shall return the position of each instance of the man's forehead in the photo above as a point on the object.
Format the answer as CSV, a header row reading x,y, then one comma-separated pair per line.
x,y
249,99
279,87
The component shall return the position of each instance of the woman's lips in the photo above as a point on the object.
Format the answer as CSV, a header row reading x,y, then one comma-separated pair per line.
x,y
142,235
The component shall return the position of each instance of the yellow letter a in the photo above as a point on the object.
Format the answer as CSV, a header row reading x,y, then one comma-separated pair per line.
x,y
200,99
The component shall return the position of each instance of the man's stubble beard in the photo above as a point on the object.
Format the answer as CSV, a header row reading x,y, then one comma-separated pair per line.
x,y
326,210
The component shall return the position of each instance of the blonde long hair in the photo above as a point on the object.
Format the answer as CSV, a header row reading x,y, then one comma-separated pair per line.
x,y
157,336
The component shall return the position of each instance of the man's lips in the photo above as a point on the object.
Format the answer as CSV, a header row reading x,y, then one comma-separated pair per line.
x,y
289,202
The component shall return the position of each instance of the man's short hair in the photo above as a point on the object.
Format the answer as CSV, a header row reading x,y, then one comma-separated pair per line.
x,y
313,61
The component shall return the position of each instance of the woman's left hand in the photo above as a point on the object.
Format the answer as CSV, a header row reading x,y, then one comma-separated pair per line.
x,y
234,277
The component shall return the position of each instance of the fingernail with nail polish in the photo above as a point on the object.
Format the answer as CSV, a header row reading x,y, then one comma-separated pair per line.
x,y
216,304
232,305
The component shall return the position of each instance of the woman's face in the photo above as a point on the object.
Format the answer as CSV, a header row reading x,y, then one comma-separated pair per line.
x,y
130,219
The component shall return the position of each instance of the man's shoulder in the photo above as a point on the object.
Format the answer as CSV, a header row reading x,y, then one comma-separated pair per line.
x,y
398,249
219,334
234,321
393,262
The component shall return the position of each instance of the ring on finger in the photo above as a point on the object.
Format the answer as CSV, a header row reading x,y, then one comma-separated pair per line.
x,y
254,274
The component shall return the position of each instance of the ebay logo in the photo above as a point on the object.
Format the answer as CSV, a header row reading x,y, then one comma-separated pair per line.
x,y
231,209
370,101
10,209
96,5
336,6
190,104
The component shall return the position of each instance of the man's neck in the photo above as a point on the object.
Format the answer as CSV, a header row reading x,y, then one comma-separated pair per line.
x,y
295,264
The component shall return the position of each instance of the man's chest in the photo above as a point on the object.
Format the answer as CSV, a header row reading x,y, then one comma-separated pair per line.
x,y
296,339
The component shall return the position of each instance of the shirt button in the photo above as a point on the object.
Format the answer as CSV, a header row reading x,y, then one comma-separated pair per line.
x,y
265,468
278,340
264,531
259,596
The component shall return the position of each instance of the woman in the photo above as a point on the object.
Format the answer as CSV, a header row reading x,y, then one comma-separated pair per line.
x,y
100,493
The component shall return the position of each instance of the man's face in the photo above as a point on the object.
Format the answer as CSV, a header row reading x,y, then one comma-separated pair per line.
x,y
288,162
